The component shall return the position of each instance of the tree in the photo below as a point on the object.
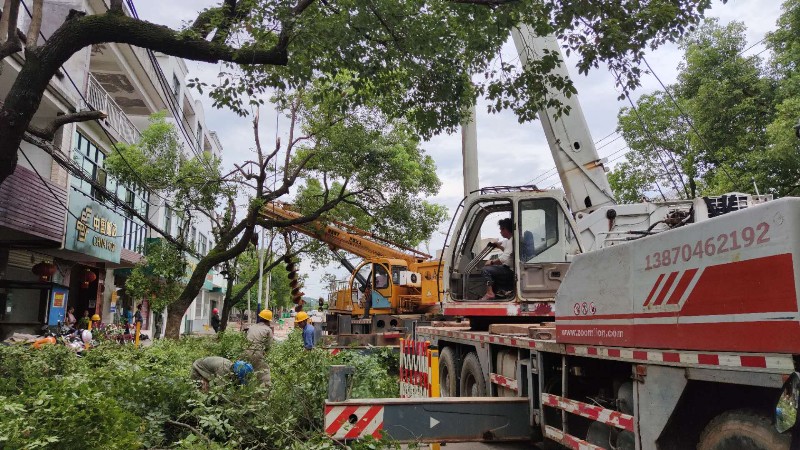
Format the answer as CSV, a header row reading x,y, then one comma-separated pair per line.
x,y
706,134
356,159
242,281
410,59
783,153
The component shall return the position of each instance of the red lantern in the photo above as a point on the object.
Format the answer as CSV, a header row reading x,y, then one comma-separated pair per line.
x,y
44,270
88,277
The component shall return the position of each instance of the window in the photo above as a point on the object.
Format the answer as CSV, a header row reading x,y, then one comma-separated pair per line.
x,y
199,136
381,277
178,223
167,220
176,86
193,237
91,158
538,230
203,244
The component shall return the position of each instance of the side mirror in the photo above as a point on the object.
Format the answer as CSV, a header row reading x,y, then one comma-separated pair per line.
x,y
786,409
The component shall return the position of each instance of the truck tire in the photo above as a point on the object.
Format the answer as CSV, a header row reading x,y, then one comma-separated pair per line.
x,y
448,372
742,430
472,382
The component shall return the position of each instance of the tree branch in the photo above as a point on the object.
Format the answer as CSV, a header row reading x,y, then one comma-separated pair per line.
x,y
35,26
118,28
8,29
190,428
48,131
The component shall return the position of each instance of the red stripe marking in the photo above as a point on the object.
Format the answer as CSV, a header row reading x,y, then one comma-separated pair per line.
x,y
592,351
589,411
681,287
744,287
753,361
671,357
761,336
363,422
614,352
653,291
638,354
377,433
708,360
340,420
667,285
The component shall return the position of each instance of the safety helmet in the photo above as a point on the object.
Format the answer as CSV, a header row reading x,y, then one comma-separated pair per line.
x,y
96,318
215,311
86,336
265,314
301,316
242,369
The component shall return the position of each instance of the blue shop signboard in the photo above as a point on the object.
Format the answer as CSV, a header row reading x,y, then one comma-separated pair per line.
x,y
93,229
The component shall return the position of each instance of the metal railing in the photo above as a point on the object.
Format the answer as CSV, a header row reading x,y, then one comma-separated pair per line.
x,y
99,99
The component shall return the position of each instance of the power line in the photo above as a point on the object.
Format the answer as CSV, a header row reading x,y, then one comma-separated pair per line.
x,y
539,177
688,120
86,102
171,101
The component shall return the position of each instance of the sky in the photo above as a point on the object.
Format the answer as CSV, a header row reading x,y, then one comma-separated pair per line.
x,y
525,156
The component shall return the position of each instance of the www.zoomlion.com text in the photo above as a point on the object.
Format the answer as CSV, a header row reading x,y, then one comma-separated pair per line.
x,y
594,333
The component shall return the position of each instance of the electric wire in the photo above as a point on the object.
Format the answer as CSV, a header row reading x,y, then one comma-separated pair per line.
x,y
689,121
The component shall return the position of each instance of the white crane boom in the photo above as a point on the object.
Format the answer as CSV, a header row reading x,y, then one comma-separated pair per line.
x,y
579,166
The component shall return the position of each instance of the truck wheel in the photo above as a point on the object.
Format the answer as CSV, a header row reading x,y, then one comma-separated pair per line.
x,y
472,384
447,373
742,430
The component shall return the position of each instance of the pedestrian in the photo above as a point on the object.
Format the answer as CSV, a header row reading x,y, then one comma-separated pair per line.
x,y
70,320
207,369
259,340
83,323
137,318
215,320
301,321
94,324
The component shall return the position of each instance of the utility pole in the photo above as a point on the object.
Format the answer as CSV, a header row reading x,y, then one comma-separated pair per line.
x,y
269,275
260,268
249,313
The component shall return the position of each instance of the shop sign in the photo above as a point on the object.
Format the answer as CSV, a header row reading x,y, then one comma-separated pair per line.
x,y
93,229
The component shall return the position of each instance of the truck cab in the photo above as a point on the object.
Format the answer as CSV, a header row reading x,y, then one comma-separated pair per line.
x,y
544,239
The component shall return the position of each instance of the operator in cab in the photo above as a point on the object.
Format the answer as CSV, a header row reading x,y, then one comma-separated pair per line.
x,y
498,271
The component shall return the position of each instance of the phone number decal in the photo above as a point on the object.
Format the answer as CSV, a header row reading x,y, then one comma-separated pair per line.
x,y
718,245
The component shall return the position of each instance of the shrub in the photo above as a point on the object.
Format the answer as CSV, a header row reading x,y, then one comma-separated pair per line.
x,y
120,397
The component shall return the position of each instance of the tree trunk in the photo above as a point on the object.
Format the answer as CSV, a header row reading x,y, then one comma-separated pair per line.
x,y
174,318
227,306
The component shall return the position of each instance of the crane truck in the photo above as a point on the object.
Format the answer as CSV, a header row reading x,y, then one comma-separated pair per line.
x,y
401,283
672,325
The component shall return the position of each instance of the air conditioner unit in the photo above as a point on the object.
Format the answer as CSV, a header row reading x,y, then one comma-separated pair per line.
x,y
408,278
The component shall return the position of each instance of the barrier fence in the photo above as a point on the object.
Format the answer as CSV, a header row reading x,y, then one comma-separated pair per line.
x,y
419,369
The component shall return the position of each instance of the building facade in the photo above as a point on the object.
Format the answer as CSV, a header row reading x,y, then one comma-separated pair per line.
x,y
70,232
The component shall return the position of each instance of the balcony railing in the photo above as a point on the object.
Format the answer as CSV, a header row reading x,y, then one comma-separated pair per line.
x,y
100,100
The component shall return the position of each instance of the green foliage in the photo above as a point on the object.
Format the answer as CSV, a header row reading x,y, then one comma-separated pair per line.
x,y
247,268
159,276
120,397
376,161
715,130
159,162
414,60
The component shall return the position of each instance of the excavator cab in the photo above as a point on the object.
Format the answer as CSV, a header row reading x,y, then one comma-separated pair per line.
x,y
543,239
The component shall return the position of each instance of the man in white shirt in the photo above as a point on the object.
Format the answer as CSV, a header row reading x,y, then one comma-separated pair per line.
x,y
499,270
